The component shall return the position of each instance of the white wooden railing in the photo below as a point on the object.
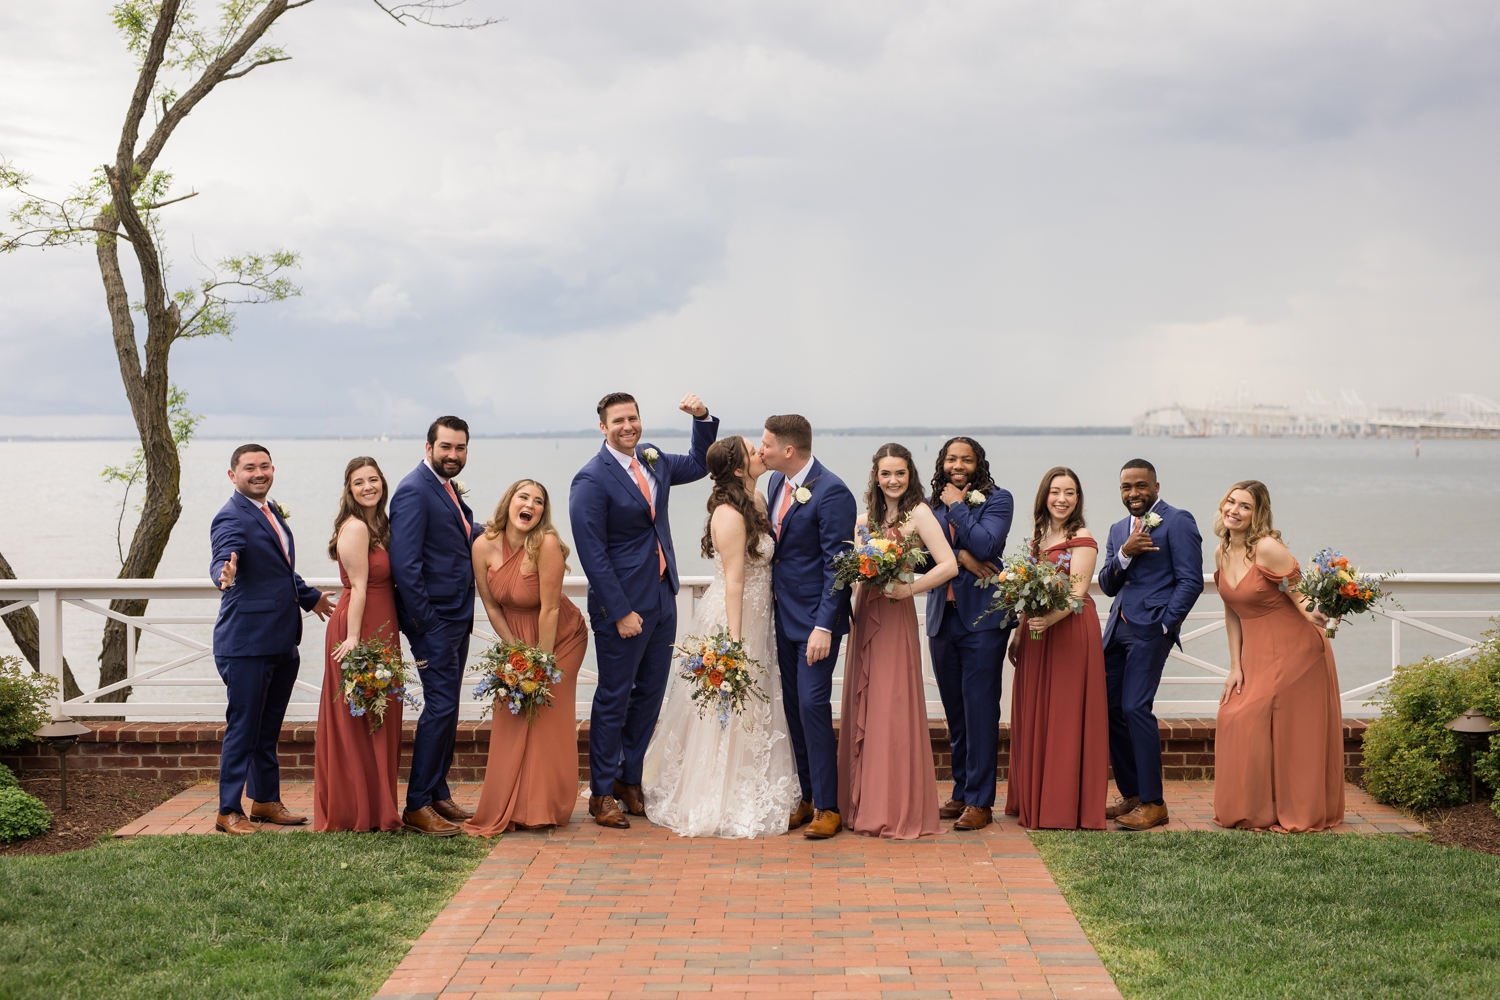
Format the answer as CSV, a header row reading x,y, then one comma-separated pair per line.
x,y
153,685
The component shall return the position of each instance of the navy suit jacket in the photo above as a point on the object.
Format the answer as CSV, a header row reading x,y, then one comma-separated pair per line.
x,y
261,615
981,532
431,561
1159,588
613,530
812,536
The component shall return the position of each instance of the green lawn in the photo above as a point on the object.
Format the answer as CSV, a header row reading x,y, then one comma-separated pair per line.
x,y
274,915
1229,915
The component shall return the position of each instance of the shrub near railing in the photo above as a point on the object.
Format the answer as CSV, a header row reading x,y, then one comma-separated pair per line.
x,y
1411,760
25,706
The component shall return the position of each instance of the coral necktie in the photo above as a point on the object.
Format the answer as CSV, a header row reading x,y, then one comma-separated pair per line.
x,y
786,505
453,495
640,480
285,553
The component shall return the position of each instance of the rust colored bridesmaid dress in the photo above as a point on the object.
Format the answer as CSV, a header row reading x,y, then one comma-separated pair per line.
x,y
887,784
1279,758
354,770
1059,721
531,777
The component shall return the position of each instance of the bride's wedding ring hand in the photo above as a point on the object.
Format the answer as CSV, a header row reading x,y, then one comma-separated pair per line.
x,y
693,406
228,570
630,626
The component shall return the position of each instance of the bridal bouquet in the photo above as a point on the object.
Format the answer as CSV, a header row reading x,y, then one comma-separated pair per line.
x,y
718,669
372,672
1333,587
878,561
1028,587
518,675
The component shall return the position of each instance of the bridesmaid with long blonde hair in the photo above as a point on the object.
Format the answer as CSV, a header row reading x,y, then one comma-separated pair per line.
x,y
531,778
1279,752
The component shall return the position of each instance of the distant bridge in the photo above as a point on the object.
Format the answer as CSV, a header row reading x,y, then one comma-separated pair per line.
x,y
1454,415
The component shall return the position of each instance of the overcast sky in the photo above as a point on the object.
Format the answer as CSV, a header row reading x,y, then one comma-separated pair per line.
x,y
1043,212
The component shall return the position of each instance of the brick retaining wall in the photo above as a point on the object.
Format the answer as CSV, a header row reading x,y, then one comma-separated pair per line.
x,y
190,750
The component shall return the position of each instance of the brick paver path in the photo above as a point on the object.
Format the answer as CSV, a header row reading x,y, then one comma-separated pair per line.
x,y
597,914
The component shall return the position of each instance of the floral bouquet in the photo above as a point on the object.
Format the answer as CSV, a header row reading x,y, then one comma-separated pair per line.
x,y
372,672
1334,588
519,675
1028,587
719,671
878,561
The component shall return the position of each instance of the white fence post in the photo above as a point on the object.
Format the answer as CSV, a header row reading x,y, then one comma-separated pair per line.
x,y
49,643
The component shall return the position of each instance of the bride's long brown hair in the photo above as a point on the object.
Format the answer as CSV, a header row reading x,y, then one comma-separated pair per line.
x,y
725,458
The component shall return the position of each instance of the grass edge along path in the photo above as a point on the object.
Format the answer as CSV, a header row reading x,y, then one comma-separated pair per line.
x,y
223,917
1232,914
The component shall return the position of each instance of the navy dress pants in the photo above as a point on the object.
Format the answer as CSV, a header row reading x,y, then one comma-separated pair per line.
x,y
1132,673
967,666
807,694
633,676
259,689
445,647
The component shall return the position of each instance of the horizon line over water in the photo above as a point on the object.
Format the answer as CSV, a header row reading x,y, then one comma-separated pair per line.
x,y
1103,430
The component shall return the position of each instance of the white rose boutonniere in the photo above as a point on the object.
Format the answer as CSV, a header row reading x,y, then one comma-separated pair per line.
x,y
1151,520
802,494
974,498
461,487
651,455
286,515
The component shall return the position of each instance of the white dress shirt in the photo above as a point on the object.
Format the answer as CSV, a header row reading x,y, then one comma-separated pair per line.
x,y
625,458
791,483
280,535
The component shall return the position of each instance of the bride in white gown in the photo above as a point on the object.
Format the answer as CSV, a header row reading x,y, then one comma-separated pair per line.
x,y
739,780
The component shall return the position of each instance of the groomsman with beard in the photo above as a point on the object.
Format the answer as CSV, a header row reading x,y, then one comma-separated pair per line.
x,y
812,516
432,533
618,507
1153,569
968,647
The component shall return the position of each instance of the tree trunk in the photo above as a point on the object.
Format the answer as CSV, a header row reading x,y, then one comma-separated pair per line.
x,y
27,631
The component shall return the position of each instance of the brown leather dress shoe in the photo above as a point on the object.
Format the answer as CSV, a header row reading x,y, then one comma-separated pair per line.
x,y
426,821
274,812
452,811
234,823
1119,807
606,812
632,797
800,815
974,818
1143,817
825,823
952,809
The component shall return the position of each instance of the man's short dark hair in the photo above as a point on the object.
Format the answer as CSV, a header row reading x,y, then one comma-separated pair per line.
x,y
793,429
1139,463
245,449
452,423
615,399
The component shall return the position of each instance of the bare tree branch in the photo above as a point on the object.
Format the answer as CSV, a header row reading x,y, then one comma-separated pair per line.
x,y
260,62
145,83
170,201
429,12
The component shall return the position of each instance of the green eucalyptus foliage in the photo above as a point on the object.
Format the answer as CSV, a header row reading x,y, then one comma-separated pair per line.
x,y
25,701
1413,761
22,815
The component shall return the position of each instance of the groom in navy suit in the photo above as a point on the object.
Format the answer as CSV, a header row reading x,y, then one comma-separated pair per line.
x,y
812,515
618,509
968,646
254,561
432,533
1153,568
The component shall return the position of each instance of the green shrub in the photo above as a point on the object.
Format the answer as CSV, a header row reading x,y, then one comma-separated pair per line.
x,y
1412,761
7,778
25,701
21,815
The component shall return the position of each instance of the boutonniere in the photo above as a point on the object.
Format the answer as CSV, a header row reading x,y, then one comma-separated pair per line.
x,y
1151,520
281,510
802,494
974,498
461,487
651,455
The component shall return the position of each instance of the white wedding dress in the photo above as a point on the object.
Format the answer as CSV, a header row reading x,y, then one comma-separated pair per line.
x,y
741,780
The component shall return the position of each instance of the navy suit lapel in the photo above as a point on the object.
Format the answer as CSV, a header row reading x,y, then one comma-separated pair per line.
x,y
437,487
606,456
252,510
